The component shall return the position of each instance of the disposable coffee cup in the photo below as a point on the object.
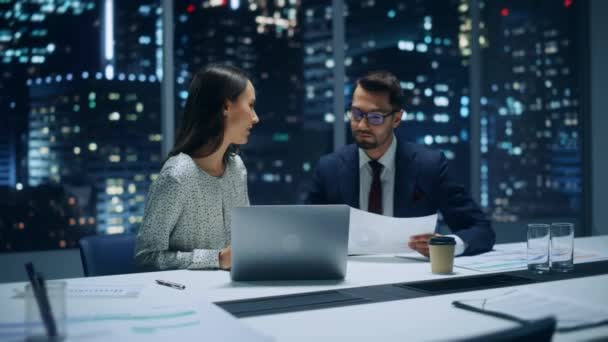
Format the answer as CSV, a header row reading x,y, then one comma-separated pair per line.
x,y
442,254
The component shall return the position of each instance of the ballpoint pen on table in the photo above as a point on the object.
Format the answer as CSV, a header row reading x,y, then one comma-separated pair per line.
x,y
171,284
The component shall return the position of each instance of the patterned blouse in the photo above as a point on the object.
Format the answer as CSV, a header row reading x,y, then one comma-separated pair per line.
x,y
187,215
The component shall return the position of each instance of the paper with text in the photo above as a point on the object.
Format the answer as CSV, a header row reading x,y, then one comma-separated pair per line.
x,y
532,305
202,322
377,234
96,291
514,257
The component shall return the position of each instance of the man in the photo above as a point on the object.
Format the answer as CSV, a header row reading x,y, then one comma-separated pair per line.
x,y
395,178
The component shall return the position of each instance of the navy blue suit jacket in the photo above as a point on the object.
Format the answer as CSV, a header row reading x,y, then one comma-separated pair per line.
x,y
423,186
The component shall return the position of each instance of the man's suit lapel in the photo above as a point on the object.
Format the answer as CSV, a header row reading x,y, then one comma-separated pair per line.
x,y
349,175
405,180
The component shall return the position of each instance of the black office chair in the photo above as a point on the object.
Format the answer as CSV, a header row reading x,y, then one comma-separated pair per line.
x,y
538,331
107,254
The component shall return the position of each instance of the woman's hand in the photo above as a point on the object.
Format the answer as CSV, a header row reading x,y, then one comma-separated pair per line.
x,y
225,258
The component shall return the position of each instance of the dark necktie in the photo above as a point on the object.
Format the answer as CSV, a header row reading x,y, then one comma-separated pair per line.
x,y
375,192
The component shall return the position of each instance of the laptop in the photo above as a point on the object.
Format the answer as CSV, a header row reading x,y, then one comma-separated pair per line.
x,y
289,242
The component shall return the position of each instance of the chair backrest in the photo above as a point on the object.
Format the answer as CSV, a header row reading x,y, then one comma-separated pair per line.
x,y
108,254
538,331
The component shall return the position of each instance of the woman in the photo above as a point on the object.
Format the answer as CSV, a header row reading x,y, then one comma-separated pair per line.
x,y
187,216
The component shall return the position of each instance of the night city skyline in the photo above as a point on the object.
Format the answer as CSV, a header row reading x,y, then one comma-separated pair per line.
x,y
84,112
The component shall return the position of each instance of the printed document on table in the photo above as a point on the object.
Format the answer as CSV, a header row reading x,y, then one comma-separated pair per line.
x,y
514,257
202,322
377,234
96,291
527,305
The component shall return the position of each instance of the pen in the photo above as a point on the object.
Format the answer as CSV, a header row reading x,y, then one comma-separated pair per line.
x,y
170,284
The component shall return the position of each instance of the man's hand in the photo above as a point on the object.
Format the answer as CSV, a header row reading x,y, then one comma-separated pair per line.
x,y
420,243
225,258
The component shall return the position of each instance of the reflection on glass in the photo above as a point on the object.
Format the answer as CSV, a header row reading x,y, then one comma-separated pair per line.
x,y
82,142
531,152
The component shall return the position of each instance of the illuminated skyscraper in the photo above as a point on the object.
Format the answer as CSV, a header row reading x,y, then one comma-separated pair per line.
x,y
207,34
38,35
8,139
531,127
260,37
85,130
318,63
39,41
36,38
284,147
138,37
8,145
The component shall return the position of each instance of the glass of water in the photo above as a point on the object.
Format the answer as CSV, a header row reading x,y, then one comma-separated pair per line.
x,y
538,247
562,247
34,325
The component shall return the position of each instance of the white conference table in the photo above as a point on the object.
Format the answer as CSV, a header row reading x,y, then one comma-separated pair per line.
x,y
426,318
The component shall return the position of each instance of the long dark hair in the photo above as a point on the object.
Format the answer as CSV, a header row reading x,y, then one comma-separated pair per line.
x,y
203,119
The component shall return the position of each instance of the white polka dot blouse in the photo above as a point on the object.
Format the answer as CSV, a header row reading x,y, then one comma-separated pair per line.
x,y
187,215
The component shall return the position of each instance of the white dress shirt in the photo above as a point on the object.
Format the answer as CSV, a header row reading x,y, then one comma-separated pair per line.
x,y
387,179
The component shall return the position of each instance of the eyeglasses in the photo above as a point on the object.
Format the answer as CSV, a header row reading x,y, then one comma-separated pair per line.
x,y
373,118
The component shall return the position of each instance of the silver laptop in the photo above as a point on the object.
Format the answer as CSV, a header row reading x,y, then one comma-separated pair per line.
x,y
289,242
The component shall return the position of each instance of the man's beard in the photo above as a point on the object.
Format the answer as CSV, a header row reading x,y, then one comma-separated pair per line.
x,y
366,145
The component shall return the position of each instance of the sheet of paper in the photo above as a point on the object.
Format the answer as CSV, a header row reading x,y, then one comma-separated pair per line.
x,y
532,305
202,322
496,260
413,256
97,291
100,290
377,234
514,258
